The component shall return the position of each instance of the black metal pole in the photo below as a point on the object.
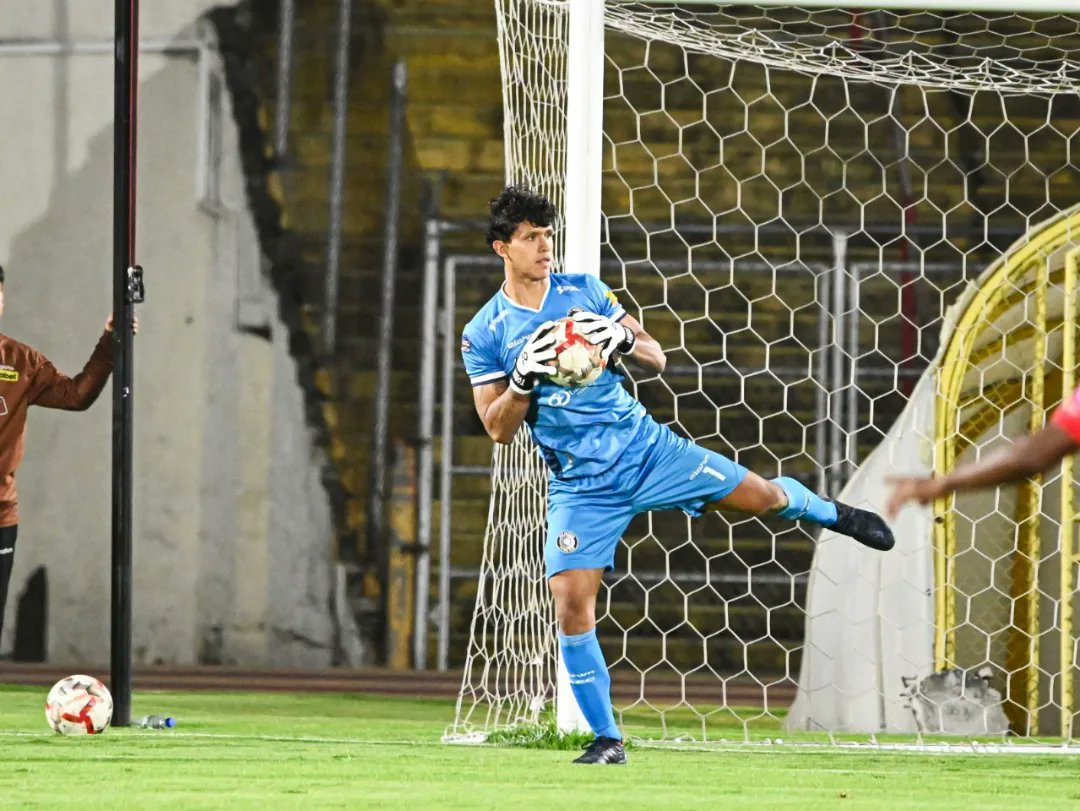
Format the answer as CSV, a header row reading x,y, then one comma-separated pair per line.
x,y
125,283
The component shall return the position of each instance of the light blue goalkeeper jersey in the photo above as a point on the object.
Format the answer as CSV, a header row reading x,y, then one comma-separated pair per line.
x,y
580,431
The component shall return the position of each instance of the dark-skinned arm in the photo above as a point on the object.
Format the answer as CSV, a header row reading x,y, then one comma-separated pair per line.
x,y
1025,457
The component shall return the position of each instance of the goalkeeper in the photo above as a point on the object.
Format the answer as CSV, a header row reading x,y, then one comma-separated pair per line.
x,y
609,460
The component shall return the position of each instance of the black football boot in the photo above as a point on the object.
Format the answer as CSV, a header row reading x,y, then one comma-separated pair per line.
x,y
604,752
866,527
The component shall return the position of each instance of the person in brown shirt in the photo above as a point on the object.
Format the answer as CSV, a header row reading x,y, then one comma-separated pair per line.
x,y
28,378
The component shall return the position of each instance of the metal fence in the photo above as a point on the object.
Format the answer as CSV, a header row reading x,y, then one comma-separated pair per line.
x,y
838,362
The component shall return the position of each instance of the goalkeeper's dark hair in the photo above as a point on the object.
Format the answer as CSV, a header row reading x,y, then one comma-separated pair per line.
x,y
514,206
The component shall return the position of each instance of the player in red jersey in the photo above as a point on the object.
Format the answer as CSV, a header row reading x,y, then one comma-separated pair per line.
x,y
1025,457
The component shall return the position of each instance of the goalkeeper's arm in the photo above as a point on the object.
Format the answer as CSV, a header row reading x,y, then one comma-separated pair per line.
x,y
501,409
645,350
502,405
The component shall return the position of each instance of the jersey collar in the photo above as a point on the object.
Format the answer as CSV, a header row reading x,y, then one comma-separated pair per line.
x,y
512,303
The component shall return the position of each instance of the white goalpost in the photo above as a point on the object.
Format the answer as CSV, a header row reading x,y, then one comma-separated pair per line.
x,y
852,233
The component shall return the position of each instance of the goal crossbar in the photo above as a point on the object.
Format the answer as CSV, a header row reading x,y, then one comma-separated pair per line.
x,y
975,6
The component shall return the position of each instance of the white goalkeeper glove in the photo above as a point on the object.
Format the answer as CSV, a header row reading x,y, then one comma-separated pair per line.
x,y
610,336
535,359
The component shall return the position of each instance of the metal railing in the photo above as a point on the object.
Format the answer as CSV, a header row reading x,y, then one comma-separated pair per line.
x,y
337,177
377,536
286,25
837,363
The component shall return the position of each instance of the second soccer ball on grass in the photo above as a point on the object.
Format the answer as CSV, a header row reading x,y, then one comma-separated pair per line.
x,y
79,705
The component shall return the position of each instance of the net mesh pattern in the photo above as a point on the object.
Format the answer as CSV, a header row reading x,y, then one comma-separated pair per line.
x,y
791,201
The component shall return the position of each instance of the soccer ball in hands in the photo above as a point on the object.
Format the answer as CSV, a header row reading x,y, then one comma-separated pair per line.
x,y
79,705
578,361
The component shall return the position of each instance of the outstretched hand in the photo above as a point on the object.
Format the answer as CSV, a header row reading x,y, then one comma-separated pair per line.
x,y
905,489
109,327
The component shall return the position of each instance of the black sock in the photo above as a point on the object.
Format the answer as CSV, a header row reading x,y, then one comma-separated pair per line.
x,y
7,562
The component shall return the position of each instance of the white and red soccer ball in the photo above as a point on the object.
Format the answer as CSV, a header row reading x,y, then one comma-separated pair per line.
x,y
79,705
578,361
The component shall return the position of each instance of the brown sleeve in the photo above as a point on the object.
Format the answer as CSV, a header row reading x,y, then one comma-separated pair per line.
x,y
53,389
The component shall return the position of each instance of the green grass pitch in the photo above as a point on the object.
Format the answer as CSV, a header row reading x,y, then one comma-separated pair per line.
x,y
280,750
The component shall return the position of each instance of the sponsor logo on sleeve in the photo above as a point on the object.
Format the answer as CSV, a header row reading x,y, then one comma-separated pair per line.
x,y
8,375
498,320
567,541
466,344
611,297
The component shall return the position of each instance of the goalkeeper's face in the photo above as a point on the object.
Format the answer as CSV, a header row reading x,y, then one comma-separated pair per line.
x,y
529,251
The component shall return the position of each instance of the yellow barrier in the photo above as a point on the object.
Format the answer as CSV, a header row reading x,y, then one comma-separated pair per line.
x,y
1022,651
1023,273
1067,542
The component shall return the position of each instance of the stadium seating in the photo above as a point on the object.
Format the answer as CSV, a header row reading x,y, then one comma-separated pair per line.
x,y
454,124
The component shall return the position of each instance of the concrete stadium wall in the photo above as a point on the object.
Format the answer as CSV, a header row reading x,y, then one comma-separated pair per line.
x,y
232,526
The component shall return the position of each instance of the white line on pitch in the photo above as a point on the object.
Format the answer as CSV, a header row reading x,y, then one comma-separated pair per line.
x,y
232,737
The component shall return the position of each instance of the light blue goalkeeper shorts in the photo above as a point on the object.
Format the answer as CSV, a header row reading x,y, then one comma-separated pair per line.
x,y
659,470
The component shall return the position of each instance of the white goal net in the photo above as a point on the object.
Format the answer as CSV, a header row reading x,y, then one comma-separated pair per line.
x,y
791,200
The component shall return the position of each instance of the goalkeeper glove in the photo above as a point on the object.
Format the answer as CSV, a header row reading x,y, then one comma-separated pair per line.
x,y
535,359
610,336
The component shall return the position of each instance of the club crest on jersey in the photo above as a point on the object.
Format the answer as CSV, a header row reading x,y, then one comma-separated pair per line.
x,y
567,541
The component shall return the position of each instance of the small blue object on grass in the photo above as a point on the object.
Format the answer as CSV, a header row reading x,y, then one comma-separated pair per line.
x,y
156,722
